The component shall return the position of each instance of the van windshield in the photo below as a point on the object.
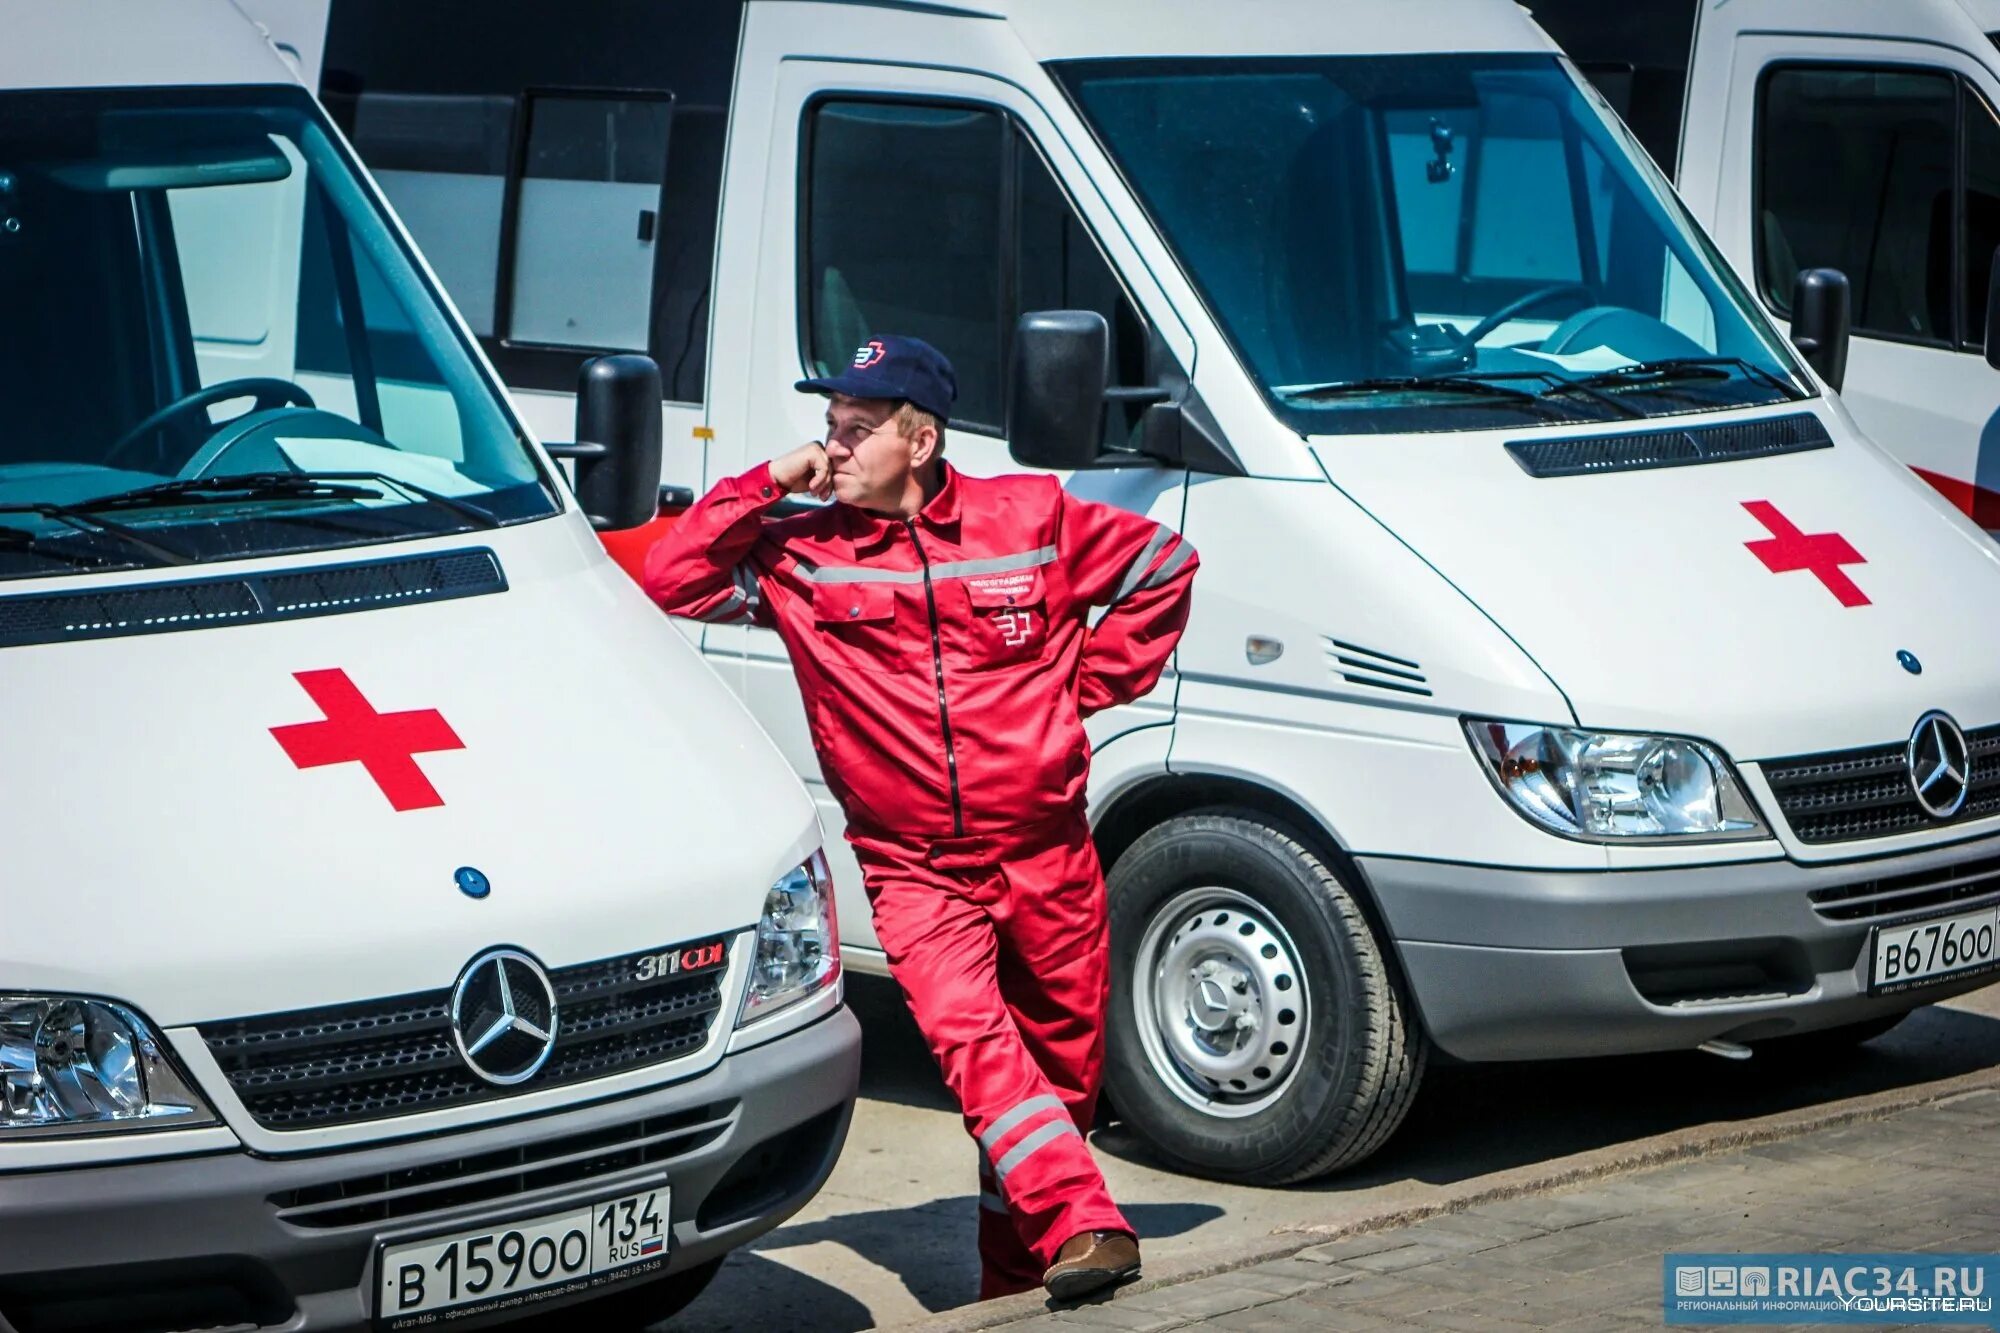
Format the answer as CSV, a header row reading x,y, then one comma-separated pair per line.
x,y
1430,242
217,347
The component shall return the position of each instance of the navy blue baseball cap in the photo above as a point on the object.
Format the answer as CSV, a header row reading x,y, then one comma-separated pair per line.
x,y
893,366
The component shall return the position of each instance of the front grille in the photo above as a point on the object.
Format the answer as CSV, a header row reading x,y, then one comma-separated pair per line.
x,y
1969,884
313,1068
1866,793
544,1164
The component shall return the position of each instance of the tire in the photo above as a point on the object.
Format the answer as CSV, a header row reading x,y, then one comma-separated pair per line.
x,y
1303,1088
628,1309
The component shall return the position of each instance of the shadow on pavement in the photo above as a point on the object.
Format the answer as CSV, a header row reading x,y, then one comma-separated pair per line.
x,y
752,1292
927,1248
1472,1120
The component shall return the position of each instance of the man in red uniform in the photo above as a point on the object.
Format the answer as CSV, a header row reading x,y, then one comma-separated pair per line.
x,y
939,628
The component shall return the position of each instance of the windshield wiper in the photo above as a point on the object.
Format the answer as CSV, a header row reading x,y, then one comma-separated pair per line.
x,y
1474,385
1482,386
240,486
1675,368
1479,386
84,521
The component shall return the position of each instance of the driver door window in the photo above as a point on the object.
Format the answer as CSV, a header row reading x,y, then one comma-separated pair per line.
x,y
1855,172
944,221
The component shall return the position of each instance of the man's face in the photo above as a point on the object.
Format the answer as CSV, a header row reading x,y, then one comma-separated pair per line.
x,y
872,460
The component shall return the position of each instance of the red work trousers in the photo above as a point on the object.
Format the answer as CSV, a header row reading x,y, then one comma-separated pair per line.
x,y
1001,946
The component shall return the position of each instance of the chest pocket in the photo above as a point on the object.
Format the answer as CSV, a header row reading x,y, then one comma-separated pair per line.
x,y
1008,619
862,627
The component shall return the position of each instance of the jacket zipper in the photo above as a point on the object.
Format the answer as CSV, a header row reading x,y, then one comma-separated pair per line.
x,y
937,664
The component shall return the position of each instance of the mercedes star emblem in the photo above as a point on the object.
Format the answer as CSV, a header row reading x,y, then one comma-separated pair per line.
x,y
503,1016
1940,765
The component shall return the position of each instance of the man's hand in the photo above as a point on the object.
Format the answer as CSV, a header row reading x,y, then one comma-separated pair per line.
x,y
804,469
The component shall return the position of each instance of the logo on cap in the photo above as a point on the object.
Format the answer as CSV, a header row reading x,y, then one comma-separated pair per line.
x,y
869,353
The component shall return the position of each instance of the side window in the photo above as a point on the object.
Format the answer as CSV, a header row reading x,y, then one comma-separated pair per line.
x,y
543,213
945,222
903,236
1855,172
1982,211
586,213
1059,267
442,160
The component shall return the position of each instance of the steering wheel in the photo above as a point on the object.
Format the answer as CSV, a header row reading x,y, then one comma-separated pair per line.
x,y
1520,304
264,392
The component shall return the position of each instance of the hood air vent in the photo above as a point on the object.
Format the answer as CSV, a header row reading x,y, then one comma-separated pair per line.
x,y
1364,666
1588,455
186,604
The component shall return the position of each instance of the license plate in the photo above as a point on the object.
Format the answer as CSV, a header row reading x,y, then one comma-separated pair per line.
x,y
519,1264
1927,951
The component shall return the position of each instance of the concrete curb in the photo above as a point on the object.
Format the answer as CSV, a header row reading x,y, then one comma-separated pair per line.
x,y
1597,1164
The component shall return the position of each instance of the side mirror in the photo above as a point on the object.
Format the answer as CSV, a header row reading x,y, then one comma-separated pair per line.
x,y
1820,322
1993,314
617,451
1055,388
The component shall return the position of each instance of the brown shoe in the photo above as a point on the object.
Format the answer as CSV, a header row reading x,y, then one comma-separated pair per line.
x,y
1091,1260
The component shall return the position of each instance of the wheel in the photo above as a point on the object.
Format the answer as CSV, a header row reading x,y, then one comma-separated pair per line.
x,y
1255,1032
628,1309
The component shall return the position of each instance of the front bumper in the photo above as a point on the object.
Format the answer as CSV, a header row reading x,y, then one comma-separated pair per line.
x,y
234,1239
1527,965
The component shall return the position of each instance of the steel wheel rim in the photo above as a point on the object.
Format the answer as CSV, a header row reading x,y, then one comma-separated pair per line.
x,y
1223,1007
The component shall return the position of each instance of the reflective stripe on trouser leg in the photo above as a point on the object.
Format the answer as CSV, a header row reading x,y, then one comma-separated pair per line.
x,y
1035,1141
945,932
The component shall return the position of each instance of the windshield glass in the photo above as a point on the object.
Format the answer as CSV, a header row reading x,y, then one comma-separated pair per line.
x,y
1430,242
197,289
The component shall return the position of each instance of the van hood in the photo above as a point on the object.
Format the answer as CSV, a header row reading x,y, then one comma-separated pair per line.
x,y
1651,599
170,845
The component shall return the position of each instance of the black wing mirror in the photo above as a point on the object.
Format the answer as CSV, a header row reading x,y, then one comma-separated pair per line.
x,y
1820,322
1055,388
617,449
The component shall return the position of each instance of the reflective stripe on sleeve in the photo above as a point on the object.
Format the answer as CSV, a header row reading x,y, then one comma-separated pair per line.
x,y
1137,569
1168,567
992,1202
746,583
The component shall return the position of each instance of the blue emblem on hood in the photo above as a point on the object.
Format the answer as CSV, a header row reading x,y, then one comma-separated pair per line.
x,y
471,882
1909,661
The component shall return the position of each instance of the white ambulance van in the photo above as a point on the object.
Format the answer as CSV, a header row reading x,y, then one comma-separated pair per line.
x,y
1567,675
1845,135
399,923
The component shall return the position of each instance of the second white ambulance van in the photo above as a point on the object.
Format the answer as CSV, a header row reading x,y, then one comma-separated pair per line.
x,y
1567,675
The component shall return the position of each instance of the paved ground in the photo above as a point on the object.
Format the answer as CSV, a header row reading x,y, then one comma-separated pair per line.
x,y
890,1239
1590,1258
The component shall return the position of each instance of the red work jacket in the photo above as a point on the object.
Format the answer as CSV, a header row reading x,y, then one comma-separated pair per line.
x,y
946,661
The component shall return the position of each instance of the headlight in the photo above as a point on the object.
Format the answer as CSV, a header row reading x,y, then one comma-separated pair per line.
x,y
71,1064
798,942
1606,786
